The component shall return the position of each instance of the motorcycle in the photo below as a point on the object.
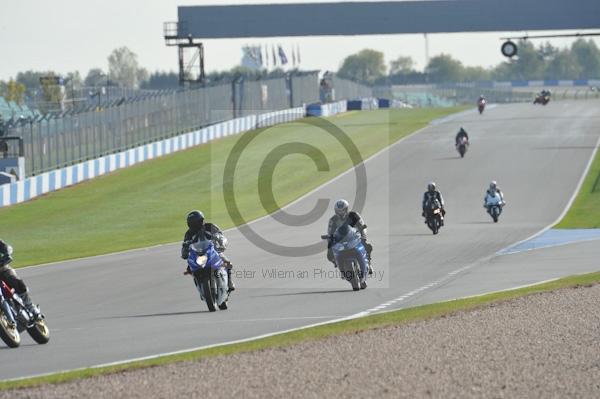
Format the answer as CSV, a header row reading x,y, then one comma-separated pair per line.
x,y
481,106
542,99
350,256
15,318
433,216
462,146
210,277
494,206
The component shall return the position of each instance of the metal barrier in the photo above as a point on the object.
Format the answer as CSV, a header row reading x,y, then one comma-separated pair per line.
x,y
52,142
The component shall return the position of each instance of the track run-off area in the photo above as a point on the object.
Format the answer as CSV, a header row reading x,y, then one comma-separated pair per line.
x,y
135,304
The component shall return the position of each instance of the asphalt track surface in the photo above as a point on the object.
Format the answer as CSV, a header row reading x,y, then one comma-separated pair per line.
x,y
134,304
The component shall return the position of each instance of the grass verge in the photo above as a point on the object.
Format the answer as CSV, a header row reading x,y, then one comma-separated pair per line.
x,y
585,211
392,318
146,204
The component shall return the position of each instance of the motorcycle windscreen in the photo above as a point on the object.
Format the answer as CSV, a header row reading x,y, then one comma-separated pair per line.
x,y
210,259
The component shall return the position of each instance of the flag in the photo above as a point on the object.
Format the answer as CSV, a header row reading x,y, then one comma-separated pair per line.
x,y
293,57
274,55
298,54
266,56
282,56
260,57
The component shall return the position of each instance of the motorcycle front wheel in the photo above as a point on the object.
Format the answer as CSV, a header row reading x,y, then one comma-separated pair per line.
x,y
10,336
210,293
40,332
432,223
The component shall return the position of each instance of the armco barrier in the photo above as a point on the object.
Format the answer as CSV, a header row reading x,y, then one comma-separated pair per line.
x,y
329,109
363,104
35,186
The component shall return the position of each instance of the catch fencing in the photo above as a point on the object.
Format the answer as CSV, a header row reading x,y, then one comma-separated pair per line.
x,y
54,142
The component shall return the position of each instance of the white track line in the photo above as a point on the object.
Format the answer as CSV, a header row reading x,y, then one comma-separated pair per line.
x,y
565,210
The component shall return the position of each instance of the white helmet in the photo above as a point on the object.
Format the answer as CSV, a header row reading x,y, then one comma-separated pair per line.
x,y
341,208
493,186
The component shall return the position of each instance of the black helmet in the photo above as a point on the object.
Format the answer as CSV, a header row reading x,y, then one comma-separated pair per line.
x,y
431,187
195,220
5,253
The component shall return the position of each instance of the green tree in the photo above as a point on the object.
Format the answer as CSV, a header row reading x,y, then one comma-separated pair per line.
x,y
15,91
124,69
444,68
530,62
472,74
161,80
95,78
563,66
403,65
587,55
365,66
31,79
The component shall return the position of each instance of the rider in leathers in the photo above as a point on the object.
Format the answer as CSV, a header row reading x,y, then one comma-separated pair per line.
x,y
198,228
461,133
344,216
8,275
491,193
433,194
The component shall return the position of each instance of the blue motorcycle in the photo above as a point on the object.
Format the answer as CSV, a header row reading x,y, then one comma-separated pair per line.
x,y
210,277
350,256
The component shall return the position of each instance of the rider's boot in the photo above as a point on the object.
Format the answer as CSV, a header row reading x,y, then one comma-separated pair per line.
x,y
369,249
230,285
31,308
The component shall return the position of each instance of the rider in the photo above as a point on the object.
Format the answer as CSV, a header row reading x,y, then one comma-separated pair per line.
x,y
481,98
461,133
491,193
8,275
197,228
433,194
342,216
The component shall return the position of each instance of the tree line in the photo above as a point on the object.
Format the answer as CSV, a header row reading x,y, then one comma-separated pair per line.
x,y
579,61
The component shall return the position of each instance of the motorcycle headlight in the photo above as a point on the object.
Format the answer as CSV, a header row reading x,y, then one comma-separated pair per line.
x,y
201,260
338,247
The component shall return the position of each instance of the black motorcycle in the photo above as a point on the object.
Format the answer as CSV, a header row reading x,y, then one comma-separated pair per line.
x,y
15,318
433,216
462,146
542,98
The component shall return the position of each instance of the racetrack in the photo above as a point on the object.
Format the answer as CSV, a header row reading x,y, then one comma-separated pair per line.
x,y
117,307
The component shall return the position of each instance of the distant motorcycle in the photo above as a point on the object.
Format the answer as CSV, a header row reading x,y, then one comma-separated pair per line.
x,y
462,146
542,98
481,106
210,276
433,216
15,318
494,206
350,256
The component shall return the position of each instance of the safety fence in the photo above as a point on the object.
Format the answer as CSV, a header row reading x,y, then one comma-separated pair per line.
x,y
31,187
55,142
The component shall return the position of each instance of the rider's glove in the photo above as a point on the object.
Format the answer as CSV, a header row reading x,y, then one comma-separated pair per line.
x,y
185,250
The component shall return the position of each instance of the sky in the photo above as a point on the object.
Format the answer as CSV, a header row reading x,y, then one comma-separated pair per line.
x,y
68,35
